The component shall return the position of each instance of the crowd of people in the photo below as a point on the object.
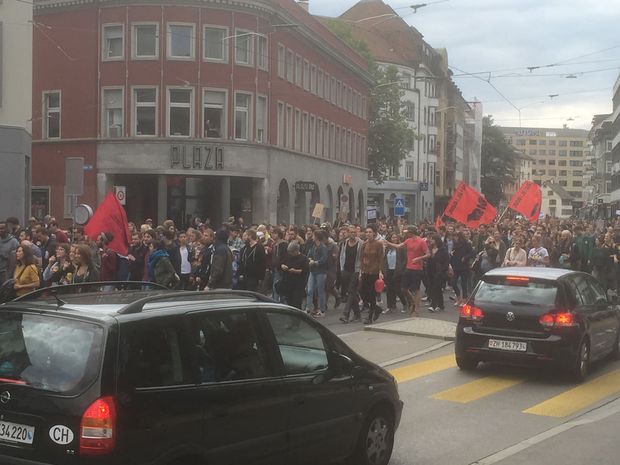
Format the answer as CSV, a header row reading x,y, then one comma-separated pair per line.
x,y
305,266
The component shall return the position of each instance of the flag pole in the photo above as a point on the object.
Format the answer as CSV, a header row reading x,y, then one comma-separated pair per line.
x,y
502,215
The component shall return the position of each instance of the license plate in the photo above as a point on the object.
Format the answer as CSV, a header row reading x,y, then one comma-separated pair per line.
x,y
14,432
507,345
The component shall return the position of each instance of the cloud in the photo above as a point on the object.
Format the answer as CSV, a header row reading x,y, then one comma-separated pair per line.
x,y
490,35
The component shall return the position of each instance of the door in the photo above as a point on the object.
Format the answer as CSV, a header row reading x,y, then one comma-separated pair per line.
x,y
157,397
595,313
325,415
244,405
609,328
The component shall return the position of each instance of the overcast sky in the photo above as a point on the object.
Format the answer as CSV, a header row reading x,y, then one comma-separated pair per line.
x,y
492,35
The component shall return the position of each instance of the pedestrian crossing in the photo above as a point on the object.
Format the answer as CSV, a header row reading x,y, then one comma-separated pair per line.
x,y
560,405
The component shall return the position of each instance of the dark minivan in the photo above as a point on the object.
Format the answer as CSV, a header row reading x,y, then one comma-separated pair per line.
x,y
158,377
538,316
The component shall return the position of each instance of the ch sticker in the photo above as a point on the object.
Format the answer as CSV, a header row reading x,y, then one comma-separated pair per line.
x,y
61,435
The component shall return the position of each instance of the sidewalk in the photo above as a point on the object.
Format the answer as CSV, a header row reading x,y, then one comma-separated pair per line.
x,y
425,327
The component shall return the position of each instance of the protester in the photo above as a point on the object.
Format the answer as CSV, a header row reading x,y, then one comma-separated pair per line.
x,y
160,267
439,264
294,268
26,274
59,268
221,275
460,263
85,270
317,262
371,269
253,262
8,246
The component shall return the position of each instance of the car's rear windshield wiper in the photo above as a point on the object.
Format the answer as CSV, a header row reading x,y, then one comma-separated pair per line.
x,y
518,302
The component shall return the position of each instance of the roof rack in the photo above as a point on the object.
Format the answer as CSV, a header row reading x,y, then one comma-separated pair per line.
x,y
102,287
218,294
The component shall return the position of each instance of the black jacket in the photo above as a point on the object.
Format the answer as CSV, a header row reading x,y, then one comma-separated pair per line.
x,y
136,268
462,256
253,262
221,275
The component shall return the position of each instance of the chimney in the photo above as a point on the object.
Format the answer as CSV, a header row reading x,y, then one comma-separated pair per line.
x,y
305,4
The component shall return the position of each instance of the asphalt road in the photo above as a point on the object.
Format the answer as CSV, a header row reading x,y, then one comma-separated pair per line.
x,y
503,415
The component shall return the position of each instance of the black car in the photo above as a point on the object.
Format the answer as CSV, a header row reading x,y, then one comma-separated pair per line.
x,y
538,316
136,377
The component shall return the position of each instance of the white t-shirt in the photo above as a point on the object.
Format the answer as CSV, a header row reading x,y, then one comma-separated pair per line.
x,y
536,256
186,266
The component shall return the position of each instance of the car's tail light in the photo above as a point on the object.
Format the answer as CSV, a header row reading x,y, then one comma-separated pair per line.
x,y
97,435
471,312
558,320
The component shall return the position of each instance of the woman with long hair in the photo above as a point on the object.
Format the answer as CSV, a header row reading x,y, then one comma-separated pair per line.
x,y
59,267
85,270
26,275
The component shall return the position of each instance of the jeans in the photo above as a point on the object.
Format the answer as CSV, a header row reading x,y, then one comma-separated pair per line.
x,y
350,287
393,289
277,277
316,282
465,277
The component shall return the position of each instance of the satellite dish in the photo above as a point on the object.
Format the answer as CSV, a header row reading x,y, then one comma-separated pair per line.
x,y
83,213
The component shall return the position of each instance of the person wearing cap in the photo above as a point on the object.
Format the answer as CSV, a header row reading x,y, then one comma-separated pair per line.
x,y
417,252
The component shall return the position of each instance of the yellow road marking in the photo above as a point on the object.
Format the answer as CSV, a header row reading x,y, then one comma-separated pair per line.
x,y
420,369
579,397
477,389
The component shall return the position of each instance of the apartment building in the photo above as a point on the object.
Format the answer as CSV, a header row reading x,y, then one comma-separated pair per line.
x,y
558,156
15,109
250,108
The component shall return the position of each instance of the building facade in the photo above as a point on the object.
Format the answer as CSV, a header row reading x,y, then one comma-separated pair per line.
x,y
15,109
598,169
425,175
615,149
200,108
556,201
558,156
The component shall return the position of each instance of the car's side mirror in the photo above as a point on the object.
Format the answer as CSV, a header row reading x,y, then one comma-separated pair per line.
x,y
340,364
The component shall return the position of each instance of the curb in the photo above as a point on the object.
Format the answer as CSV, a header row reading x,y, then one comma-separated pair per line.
x,y
410,333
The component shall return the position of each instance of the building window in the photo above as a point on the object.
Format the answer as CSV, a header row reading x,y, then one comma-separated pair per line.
x,y
563,173
242,116
326,152
289,127
306,77
333,93
290,66
145,112
145,41
113,42
298,70
410,111
51,114
552,162
576,153
215,44
281,61
244,43
562,143
261,118
297,130
576,143
312,135
314,88
112,113
319,137
327,89
281,124
552,172
180,112
319,86
520,142
305,128
562,163
214,114
262,52
181,41
552,201
562,153
552,152
533,142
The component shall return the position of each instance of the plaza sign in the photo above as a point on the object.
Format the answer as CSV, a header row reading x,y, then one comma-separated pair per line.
x,y
196,157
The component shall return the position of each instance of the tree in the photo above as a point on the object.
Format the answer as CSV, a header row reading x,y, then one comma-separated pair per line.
x,y
499,162
389,135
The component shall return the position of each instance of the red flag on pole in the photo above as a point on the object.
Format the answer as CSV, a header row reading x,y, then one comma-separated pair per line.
x,y
110,217
438,222
527,201
469,207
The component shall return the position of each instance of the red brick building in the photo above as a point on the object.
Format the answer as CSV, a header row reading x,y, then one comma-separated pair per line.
x,y
201,108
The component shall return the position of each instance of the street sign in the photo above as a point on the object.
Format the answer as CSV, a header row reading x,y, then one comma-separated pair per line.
x,y
371,213
121,194
399,207
305,186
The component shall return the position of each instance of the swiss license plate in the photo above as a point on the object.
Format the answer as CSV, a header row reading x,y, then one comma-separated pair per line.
x,y
14,432
507,345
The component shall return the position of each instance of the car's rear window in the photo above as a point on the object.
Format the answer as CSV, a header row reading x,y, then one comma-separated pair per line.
x,y
525,292
47,352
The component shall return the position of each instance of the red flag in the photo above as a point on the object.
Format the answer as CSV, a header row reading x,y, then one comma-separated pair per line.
x,y
469,207
527,201
110,217
438,222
